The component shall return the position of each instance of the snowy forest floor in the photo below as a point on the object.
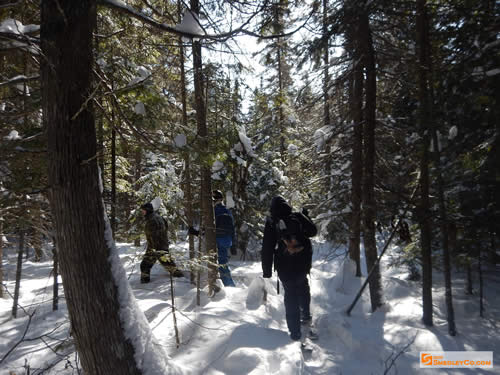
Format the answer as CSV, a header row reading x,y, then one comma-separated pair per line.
x,y
236,333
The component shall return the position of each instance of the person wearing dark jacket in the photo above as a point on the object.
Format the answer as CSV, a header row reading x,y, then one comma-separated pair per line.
x,y
156,230
286,246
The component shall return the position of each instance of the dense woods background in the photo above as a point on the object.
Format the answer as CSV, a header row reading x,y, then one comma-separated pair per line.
x,y
375,115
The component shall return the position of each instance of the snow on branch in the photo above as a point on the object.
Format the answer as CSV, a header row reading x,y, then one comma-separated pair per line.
x,y
124,8
191,27
19,79
13,26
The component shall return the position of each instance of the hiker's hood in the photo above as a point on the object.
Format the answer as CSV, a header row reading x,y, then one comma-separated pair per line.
x,y
280,208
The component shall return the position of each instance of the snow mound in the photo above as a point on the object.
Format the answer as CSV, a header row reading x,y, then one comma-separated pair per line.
x,y
256,294
242,361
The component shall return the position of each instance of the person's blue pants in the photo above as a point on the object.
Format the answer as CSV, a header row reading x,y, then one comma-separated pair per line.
x,y
297,302
223,247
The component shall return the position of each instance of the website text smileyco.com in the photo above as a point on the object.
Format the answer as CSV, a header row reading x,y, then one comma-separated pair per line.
x,y
456,359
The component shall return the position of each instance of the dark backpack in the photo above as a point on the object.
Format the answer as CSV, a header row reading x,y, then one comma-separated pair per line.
x,y
295,226
224,226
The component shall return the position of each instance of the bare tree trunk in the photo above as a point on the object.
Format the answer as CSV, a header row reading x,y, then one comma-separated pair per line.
x,y
19,269
278,29
369,206
450,314
424,207
469,288
198,274
55,271
188,191
326,63
480,273
281,117
137,176
113,173
207,209
356,109
440,187
78,212
172,299
37,244
100,137
240,178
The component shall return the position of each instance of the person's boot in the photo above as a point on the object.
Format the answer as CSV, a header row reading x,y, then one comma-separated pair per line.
x,y
145,279
307,328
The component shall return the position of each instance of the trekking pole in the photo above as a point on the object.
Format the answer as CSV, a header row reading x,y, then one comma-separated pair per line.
x,y
348,311
278,285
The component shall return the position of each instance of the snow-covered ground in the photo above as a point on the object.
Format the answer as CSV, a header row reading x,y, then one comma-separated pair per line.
x,y
237,333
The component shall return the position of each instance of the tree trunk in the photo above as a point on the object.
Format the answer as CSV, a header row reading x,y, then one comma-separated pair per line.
x,y
113,173
137,176
241,175
19,269
207,210
55,287
424,207
279,22
188,191
469,288
440,187
450,314
281,116
364,38
480,274
326,63
90,287
356,109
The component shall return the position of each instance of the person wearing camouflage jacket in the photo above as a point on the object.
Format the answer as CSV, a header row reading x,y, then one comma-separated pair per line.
x,y
156,230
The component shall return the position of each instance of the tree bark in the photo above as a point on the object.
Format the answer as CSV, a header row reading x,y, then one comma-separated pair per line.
x,y
55,271
356,109
424,207
365,41
326,63
480,275
113,173
469,288
207,210
77,207
137,176
19,269
450,314
188,191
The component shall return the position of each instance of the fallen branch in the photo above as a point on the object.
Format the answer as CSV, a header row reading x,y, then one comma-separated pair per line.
x,y
393,358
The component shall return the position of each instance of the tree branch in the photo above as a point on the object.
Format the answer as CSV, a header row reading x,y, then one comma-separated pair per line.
x,y
117,5
19,79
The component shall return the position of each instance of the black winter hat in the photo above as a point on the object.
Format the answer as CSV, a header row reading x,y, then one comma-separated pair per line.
x,y
148,207
217,195
279,207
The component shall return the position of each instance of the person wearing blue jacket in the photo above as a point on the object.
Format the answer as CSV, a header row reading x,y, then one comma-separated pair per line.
x,y
224,233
